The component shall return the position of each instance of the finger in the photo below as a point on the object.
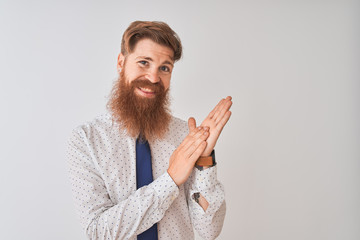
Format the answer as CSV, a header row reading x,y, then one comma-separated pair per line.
x,y
188,138
197,153
203,134
223,121
216,113
193,147
192,136
195,140
191,124
194,131
221,108
211,114
225,108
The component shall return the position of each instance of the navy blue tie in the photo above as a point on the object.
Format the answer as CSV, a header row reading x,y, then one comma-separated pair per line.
x,y
144,177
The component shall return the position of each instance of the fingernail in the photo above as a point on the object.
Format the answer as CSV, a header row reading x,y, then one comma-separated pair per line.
x,y
205,133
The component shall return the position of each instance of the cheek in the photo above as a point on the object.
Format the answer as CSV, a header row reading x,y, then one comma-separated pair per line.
x,y
130,76
131,72
166,83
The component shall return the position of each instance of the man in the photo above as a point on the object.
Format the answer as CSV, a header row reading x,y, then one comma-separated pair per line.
x,y
138,172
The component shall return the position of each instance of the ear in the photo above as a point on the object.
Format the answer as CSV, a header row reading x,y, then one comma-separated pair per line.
x,y
120,62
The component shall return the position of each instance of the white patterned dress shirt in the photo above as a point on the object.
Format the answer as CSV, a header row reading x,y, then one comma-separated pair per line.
x,y
102,173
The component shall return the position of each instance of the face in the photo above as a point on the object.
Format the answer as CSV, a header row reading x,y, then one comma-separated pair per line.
x,y
148,61
140,97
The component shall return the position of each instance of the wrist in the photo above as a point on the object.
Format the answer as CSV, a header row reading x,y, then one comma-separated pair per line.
x,y
173,178
206,162
207,153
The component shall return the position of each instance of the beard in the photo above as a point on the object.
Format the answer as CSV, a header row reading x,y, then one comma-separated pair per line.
x,y
148,118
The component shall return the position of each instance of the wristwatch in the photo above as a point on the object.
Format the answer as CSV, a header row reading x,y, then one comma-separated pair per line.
x,y
206,161
196,197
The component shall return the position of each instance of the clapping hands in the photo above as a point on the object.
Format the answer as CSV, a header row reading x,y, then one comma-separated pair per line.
x,y
215,121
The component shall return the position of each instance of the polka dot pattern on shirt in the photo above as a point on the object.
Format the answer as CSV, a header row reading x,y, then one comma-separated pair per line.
x,y
101,159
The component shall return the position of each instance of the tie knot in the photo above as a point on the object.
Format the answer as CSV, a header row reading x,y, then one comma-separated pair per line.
x,y
141,139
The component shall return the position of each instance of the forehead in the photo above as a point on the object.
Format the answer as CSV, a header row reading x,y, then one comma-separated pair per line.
x,y
149,48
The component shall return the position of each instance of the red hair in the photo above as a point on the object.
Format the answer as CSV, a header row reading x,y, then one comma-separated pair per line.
x,y
158,32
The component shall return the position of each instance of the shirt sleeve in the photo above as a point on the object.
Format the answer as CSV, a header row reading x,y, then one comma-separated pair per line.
x,y
207,223
99,216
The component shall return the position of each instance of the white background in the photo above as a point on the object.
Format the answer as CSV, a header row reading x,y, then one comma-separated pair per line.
x,y
289,157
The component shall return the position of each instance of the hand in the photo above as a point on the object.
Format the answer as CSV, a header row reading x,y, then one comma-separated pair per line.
x,y
183,159
216,121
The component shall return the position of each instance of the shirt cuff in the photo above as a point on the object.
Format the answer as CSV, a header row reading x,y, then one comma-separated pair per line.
x,y
204,179
205,182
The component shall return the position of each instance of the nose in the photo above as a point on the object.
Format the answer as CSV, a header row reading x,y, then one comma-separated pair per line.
x,y
152,76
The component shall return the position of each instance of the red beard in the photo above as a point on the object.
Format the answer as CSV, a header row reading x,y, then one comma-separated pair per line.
x,y
140,116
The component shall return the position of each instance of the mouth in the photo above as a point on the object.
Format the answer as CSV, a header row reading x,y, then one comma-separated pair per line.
x,y
146,92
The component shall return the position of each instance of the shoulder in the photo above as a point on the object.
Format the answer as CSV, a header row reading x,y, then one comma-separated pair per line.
x,y
178,124
100,125
178,128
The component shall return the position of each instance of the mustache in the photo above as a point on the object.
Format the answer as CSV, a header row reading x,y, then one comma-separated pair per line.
x,y
144,83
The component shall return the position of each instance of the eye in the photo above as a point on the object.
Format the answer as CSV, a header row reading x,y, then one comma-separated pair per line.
x,y
165,68
143,62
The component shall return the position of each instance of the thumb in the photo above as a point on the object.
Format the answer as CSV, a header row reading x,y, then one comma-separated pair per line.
x,y
191,123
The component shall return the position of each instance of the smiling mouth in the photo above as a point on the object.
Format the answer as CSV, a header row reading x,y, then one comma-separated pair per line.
x,y
146,92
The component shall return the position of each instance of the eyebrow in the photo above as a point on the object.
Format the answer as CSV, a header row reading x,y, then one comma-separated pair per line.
x,y
151,60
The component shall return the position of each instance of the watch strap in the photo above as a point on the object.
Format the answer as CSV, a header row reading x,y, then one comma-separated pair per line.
x,y
206,161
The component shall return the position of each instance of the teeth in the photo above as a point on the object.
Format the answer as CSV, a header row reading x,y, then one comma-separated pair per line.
x,y
146,90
